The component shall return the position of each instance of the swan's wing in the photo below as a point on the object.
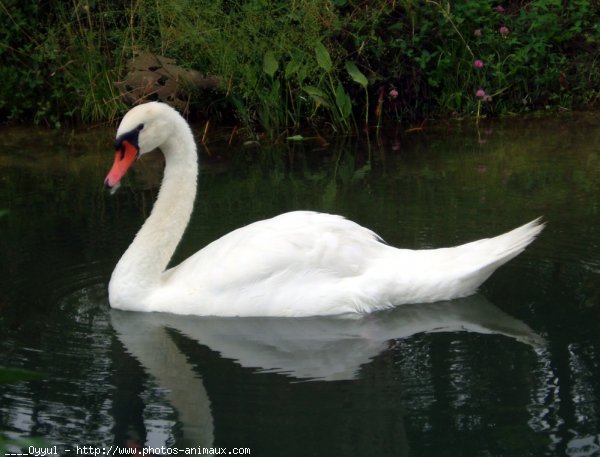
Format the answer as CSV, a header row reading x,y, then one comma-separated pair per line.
x,y
295,254
298,240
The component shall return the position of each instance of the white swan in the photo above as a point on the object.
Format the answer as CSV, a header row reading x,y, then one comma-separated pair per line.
x,y
297,264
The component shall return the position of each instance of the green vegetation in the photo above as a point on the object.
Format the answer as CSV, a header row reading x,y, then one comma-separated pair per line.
x,y
287,65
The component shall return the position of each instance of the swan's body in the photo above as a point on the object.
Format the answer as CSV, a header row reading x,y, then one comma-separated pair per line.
x,y
296,264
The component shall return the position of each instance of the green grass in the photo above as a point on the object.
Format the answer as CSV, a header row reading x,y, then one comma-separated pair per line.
x,y
291,65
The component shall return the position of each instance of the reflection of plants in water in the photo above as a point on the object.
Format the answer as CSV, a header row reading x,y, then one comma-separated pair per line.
x,y
18,446
432,178
304,171
8,446
12,375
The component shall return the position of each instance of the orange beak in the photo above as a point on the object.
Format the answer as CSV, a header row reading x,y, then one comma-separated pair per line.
x,y
124,158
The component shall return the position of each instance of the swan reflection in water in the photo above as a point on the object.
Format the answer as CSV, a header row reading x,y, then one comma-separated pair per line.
x,y
315,348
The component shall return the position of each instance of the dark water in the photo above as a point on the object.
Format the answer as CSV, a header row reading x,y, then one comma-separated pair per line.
x,y
512,371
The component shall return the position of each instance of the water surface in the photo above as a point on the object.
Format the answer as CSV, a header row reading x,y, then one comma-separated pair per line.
x,y
511,371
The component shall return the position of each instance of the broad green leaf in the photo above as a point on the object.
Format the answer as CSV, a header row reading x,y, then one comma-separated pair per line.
x,y
342,99
314,91
295,138
270,64
323,57
292,68
302,73
318,95
356,74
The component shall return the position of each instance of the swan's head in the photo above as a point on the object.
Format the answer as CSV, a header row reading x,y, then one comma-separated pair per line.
x,y
143,129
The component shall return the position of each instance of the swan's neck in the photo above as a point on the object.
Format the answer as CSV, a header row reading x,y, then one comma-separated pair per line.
x,y
140,268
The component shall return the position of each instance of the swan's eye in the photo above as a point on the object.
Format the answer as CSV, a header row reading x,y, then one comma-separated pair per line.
x,y
131,138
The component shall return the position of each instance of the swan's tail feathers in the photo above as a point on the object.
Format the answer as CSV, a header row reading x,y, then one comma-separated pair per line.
x,y
511,244
483,257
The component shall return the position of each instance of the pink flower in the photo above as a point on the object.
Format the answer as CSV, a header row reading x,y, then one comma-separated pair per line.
x,y
393,93
500,9
504,31
478,64
480,93
477,32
